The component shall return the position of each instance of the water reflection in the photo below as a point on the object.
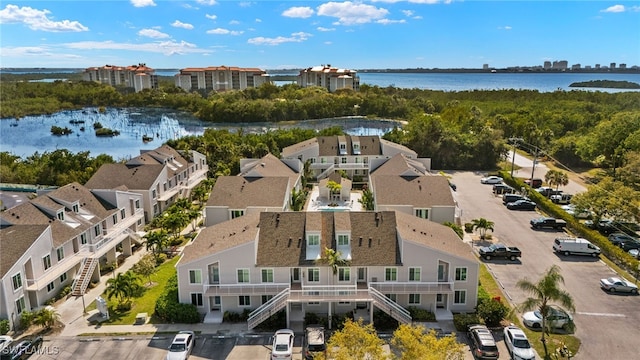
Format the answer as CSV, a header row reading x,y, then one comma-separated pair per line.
x,y
32,134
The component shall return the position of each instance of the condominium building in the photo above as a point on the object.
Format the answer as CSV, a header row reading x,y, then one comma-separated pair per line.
x,y
269,261
139,76
220,78
63,237
161,176
329,78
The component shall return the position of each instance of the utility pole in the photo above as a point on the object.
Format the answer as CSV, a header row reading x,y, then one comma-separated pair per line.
x,y
533,168
513,159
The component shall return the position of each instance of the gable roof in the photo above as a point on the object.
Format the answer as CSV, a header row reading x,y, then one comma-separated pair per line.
x,y
418,191
222,236
15,240
238,192
110,176
330,145
399,164
268,165
292,150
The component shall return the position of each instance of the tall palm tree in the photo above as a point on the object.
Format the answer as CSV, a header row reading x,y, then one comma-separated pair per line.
x,y
122,286
298,198
557,178
483,225
333,259
367,200
545,292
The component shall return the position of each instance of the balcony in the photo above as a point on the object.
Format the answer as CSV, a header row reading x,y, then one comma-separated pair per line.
x,y
413,287
244,289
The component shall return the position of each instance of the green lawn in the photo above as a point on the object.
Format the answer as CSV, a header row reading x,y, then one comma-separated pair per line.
x,y
554,341
146,303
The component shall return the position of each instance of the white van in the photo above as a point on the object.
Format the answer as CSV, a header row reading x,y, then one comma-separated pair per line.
x,y
576,246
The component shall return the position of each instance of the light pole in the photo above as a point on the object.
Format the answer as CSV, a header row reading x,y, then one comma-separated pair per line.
x,y
513,158
533,168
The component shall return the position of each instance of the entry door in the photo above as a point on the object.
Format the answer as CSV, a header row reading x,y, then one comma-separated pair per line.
x,y
362,274
214,303
441,301
295,275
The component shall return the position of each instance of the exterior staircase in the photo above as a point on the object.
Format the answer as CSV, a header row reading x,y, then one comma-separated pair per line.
x,y
81,282
135,237
390,307
264,311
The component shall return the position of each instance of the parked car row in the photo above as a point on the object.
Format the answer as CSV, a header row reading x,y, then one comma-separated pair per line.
x,y
19,351
483,344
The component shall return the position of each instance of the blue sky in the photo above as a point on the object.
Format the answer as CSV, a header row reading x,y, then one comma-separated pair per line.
x,y
272,34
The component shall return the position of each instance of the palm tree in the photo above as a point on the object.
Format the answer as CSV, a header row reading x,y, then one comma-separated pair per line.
x,y
122,286
557,178
298,198
174,222
545,292
157,240
334,259
367,200
483,225
46,317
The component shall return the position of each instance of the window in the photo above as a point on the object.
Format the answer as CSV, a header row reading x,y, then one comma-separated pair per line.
x,y
243,275
422,213
266,298
414,274
138,204
96,230
61,215
236,213
460,297
164,186
63,277
153,194
343,240
75,208
50,286
195,277
115,218
60,253
17,281
391,297
313,240
214,273
244,300
390,274
314,275
267,275
20,305
83,239
123,214
344,274
46,261
461,274
414,299
343,160
196,299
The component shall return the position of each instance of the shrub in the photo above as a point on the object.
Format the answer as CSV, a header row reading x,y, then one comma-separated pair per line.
x,y
468,228
492,312
462,321
26,319
160,258
168,307
418,314
4,326
483,296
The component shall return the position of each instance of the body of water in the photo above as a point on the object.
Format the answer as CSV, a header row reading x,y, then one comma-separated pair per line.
x,y
33,133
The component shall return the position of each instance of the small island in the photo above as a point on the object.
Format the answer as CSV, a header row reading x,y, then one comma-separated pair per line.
x,y
607,84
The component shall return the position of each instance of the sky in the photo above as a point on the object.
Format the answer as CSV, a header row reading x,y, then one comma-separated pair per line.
x,y
277,34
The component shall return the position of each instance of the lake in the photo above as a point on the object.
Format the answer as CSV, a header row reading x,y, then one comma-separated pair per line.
x,y
33,133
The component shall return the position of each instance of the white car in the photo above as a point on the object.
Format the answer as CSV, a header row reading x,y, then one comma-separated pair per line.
x,y
517,344
182,345
282,345
5,341
614,284
557,319
491,180
571,210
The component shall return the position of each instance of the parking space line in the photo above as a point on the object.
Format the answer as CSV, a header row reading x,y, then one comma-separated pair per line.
x,y
600,314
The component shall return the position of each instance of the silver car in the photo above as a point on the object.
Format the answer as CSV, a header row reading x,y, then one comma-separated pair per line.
x,y
517,344
491,180
614,284
182,345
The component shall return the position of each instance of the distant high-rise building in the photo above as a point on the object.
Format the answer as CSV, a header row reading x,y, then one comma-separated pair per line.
x,y
329,78
622,66
560,65
575,67
138,76
612,65
485,66
547,65
598,66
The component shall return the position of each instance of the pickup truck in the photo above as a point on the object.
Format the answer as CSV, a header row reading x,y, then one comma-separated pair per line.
x,y
500,250
548,223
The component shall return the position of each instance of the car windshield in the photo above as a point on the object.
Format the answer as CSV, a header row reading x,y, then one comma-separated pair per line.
x,y
318,347
177,347
282,347
521,343
537,314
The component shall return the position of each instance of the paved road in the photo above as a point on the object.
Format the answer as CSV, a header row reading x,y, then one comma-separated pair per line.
x,y
605,323
526,169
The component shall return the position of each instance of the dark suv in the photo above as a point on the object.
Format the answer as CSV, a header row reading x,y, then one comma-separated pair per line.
x,y
314,341
482,343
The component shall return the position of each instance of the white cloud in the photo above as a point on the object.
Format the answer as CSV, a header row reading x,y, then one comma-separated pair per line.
x,y
349,13
244,4
142,3
328,43
389,21
207,2
323,29
180,24
37,19
258,20
234,22
411,14
295,37
298,12
614,9
169,47
221,31
152,33
212,17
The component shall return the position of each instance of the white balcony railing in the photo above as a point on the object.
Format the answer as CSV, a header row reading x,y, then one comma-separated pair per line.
x,y
244,289
413,287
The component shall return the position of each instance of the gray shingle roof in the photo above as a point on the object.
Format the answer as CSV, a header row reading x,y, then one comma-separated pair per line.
x,y
110,176
15,240
418,191
238,192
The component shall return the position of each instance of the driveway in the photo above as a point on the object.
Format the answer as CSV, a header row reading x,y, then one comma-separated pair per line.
x,y
604,322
